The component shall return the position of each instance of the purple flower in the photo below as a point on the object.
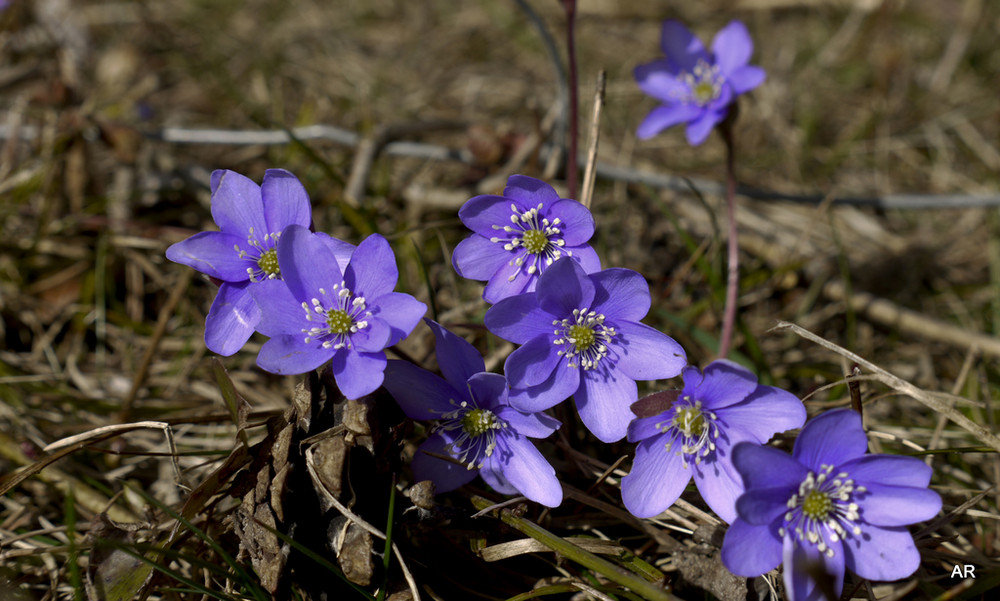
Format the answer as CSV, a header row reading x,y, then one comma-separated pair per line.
x,y
695,437
829,506
696,86
475,424
242,255
324,313
520,234
581,336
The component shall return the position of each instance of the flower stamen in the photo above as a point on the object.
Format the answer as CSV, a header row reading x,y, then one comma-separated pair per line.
x,y
262,256
823,510
474,433
694,427
540,238
340,315
584,338
704,83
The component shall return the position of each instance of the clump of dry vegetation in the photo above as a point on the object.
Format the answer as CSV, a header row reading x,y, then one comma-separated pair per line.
x,y
136,464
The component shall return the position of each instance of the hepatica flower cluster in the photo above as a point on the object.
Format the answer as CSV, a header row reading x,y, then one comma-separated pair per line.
x,y
243,254
318,298
580,335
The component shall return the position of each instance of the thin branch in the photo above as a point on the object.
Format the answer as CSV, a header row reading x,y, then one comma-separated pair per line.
x,y
434,152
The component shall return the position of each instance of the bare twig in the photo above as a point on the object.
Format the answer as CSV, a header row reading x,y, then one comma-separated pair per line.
x,y
552,51
181,135
887,313
369,147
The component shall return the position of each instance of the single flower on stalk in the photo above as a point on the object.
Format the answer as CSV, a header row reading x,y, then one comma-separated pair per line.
x,y
242,254
474,424
826,508
519,235
581,337
694,435
694,85
324,313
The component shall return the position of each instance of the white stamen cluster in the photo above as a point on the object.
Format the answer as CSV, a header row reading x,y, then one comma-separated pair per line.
x,y
476,433
584,338
694,427
823,510
263,255
340,314
540,238
704,83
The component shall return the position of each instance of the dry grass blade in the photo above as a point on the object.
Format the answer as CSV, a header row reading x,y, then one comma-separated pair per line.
x,y
530,545
644,588
590,172
888,313
70,445
932,400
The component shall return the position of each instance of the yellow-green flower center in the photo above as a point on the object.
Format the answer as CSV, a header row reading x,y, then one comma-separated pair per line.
x,y
339,321
823,512
704,84
690,421
816,505
704,91
268,263
582,337
693,427
534,241
478,421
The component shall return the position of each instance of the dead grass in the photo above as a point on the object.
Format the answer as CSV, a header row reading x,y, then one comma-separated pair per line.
x,y
99,329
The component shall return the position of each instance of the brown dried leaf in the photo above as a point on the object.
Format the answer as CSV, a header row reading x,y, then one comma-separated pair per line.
x,y
358,415
422,494
353,547
263,505
329,458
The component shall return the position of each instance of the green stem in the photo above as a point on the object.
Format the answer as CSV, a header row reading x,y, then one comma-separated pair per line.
x,y
387,553
648,590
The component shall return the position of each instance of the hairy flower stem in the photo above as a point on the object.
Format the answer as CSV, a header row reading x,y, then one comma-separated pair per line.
x,y
733,275
571,160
